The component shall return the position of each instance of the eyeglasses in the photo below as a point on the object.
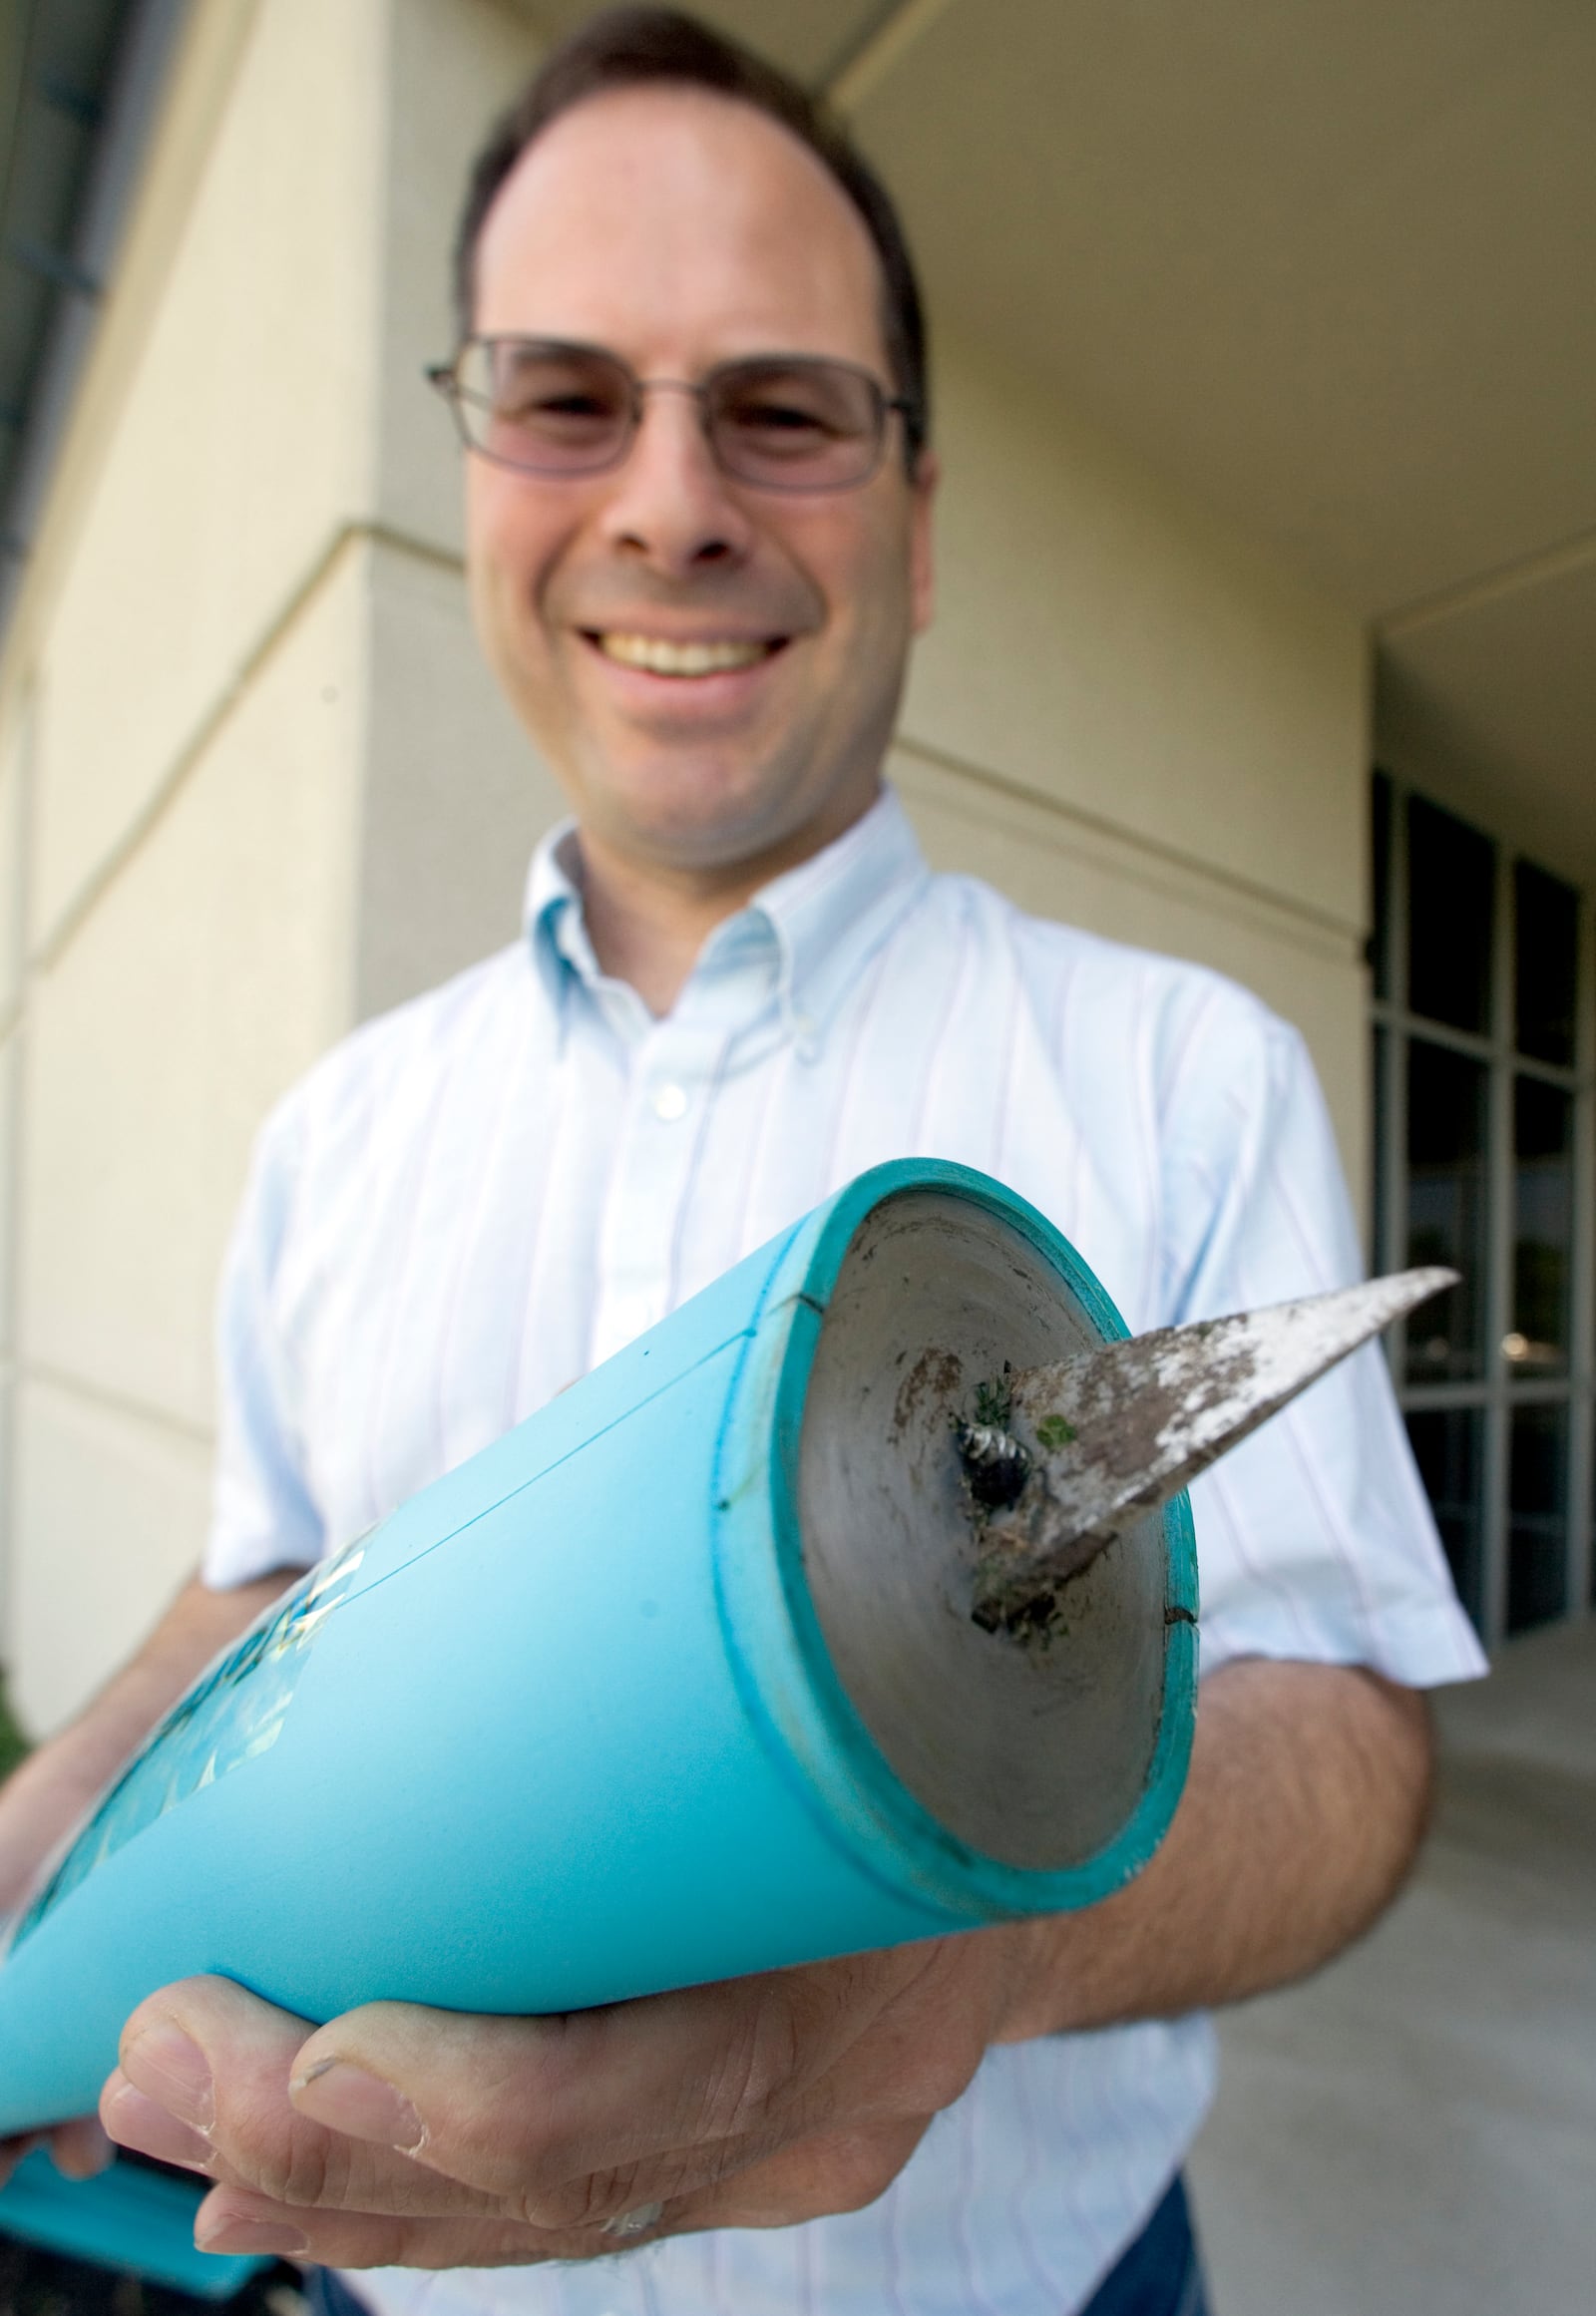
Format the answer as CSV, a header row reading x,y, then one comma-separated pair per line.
x,y
782,422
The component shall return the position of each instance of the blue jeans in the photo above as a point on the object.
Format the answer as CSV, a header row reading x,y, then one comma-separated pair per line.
x,y
1157,2275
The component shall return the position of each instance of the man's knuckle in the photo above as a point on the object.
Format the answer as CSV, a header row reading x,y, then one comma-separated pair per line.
x,y
309,2170
858,2173
935,2077
581,2202
298,2176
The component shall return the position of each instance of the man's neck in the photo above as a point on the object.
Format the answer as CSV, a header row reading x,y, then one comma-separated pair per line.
x,y
648,929
647,922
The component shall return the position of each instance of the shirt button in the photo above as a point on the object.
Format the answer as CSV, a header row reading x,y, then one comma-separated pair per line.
x,y
670,1104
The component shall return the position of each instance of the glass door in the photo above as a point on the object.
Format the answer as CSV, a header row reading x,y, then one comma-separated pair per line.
x,y
1484,1161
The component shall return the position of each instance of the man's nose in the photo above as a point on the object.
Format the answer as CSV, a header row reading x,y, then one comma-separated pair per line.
x,y
670,502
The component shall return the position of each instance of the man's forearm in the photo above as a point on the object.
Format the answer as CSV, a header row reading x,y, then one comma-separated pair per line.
x,y
1305,1806
56,1784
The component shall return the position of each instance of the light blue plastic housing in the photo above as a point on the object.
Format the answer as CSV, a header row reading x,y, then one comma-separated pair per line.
x,y
565,1728
127,2218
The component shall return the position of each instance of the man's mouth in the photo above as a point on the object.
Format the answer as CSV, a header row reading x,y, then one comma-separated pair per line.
x,y
659,656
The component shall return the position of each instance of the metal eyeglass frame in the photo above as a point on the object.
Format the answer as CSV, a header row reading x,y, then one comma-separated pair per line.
x,y
443,378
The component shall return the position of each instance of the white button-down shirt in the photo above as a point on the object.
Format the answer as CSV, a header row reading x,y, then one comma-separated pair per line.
x,y
477,1198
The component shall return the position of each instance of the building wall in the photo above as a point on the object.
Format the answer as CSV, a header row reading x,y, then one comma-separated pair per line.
x,y
445,760
256,784
1127,716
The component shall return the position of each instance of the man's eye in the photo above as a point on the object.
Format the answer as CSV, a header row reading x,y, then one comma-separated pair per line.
x,y
572,405
537,400
776,418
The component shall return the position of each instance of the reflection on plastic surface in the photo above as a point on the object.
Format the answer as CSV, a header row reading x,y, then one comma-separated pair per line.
x,y
232,1716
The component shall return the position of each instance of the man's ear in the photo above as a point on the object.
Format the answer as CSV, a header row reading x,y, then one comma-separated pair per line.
x,y
921,552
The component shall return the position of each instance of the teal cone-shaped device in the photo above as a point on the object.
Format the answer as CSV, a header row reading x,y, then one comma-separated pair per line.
x,y
676,1681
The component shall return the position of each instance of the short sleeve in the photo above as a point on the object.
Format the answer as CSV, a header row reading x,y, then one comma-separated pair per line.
x,y
1315,1537
263,1513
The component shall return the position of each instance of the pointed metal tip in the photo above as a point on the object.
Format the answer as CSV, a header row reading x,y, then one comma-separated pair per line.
x,y
1428,1280
1195,1391
1395,1295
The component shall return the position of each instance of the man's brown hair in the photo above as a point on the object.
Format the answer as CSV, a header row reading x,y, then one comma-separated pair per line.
x,y
638,47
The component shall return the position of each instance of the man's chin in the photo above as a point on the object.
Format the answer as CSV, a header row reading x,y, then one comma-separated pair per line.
x,y
713,828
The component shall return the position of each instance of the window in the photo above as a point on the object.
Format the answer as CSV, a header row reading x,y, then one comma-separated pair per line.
x,y
1484,1160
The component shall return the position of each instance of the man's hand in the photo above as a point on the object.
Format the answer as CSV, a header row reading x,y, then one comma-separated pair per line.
x,y
423,2139
420,2138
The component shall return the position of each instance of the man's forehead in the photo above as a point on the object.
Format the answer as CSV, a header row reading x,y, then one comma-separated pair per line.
x,y
643,207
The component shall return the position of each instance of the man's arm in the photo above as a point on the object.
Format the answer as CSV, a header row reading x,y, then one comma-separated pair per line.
x,y
1307,1801
775,2099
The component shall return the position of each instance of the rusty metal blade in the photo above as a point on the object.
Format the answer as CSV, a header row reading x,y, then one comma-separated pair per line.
x,y
1114,1434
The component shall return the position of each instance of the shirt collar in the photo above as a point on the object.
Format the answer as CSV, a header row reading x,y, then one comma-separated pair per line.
x,y
555,929
825,918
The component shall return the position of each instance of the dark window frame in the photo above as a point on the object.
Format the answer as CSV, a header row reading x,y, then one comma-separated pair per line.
x,y
1505,1388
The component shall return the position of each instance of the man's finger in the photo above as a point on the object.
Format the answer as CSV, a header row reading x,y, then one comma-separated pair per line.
x,y
232,2220
204,2082
143,2124
818,2177
79,2150
523,2108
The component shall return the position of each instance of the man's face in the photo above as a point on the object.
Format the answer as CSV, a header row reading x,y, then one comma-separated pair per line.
x,y
680,230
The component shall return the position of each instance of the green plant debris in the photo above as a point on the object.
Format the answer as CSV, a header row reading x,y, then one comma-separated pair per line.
x,y
1054,1432
995,1402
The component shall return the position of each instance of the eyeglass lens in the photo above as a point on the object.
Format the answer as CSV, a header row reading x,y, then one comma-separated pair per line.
x,y
801,424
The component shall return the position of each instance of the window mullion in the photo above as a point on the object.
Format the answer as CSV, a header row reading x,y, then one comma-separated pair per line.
x,y
1500,1262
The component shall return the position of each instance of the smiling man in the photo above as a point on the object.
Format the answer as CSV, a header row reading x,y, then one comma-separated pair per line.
x,y
691,391
703,614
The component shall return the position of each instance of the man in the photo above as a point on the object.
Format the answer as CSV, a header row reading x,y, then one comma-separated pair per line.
x,y
699,515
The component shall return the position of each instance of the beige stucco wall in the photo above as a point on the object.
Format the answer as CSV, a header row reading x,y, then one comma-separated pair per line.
x,y
211,970
254,782
1128,716
444,753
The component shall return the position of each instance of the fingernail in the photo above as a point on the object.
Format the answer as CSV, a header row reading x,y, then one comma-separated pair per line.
x,y
346,2099
149,2129
252,2235
176,2073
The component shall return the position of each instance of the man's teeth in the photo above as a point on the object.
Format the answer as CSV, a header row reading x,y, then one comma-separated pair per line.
x,y
662,659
